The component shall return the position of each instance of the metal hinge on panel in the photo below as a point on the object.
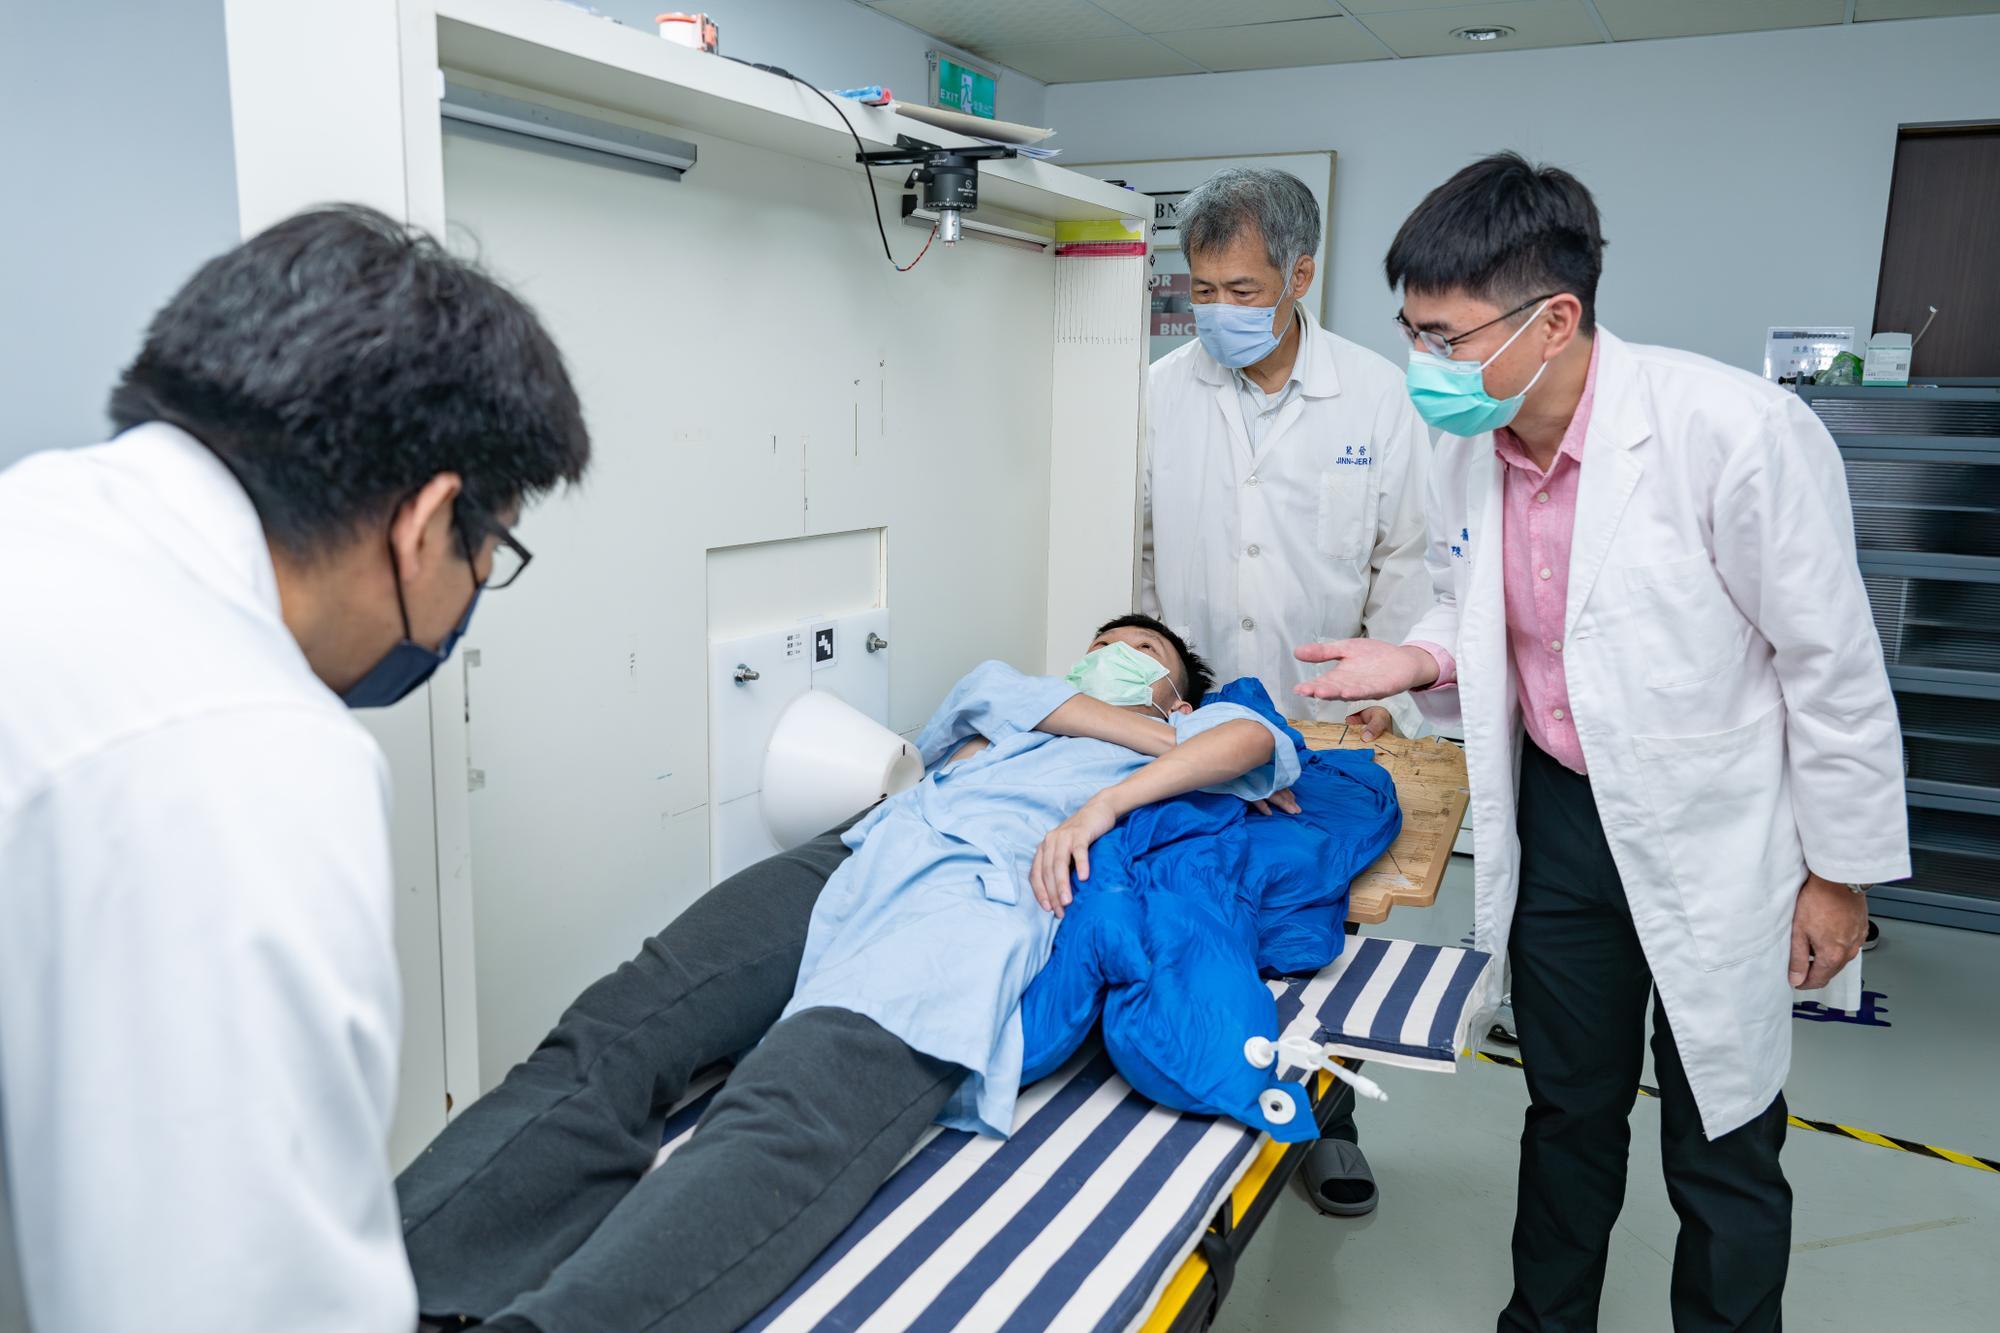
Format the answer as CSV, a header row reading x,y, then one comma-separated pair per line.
x,y
475,778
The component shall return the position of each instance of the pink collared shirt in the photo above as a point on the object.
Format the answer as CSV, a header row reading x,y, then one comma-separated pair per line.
x,y
1539,515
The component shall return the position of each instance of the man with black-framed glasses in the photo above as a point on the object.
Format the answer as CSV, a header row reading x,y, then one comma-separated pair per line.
x,y
1683,750
321,446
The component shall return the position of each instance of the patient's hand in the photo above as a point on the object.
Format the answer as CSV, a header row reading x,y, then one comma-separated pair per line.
x,y
1282,800
1375,723
1067,845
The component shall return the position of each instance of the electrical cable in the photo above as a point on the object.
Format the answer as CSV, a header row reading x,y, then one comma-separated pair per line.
x,y
859,148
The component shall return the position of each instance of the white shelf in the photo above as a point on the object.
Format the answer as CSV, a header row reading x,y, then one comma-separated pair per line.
x,y
538,45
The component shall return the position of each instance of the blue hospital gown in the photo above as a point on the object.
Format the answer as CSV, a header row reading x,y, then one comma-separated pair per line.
x,y
931,928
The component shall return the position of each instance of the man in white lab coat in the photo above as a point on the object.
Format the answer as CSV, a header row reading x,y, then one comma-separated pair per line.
x,y
1684,754
320,445
1284,492
1284,465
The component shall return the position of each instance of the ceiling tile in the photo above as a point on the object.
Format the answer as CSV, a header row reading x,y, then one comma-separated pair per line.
x,y
977,25
1428,32
1868,10
1366,7
1632,20
1324,41
1176,15
1128,57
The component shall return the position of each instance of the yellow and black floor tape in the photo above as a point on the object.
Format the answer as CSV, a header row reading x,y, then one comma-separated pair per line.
x,y
1977,1163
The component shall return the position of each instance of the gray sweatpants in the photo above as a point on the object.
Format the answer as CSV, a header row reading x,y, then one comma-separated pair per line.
x,y
534,1210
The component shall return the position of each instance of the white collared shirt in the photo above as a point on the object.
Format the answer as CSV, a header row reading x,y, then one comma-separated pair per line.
x,y
1264,532
199,999
1259,408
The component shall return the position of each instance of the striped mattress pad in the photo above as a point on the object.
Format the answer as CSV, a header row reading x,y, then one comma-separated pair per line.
x,y
1081,1218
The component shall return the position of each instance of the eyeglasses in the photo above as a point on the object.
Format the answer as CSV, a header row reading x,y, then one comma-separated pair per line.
x,y
1438,345
510,558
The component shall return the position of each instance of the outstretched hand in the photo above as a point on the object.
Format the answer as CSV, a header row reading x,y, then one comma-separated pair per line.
x,y
1366,669
1068,847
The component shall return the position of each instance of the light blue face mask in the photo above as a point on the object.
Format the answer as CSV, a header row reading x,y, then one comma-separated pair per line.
x,y
1237,335
1120,675
1452,396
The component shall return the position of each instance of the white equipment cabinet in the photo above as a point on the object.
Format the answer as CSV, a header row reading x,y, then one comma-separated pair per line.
x,y
786,431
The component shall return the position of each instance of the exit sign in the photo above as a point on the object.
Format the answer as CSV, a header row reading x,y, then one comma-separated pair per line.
x,y
964,88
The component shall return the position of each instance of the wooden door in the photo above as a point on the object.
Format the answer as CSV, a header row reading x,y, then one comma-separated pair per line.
x,y
1942,248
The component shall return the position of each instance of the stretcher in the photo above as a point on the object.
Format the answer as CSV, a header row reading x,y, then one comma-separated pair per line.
x,y
1104,1211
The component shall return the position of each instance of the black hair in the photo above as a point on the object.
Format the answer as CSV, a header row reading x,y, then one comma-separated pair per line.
x,y
339,360
1199,677
1506,231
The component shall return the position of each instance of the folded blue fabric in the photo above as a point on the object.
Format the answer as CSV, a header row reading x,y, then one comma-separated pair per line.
x,y
1190,903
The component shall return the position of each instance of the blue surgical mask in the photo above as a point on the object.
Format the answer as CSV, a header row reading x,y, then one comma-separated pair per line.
x,y
408,664
1452,396
1120,675
1237,335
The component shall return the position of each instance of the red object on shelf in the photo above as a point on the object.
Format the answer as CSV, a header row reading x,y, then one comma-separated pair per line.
x,y
1099,249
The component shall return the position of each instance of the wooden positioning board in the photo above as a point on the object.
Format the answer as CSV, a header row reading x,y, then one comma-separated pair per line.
x,y
1431,788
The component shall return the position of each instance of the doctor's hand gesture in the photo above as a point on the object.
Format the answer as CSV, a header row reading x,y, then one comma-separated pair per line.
x,y
1366,669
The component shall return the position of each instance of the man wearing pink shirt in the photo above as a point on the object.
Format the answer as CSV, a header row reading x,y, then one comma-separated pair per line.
x,y
1683,751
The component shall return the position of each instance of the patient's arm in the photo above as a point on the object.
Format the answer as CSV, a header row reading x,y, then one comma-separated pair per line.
x,y
1214,758
1093,719
969,749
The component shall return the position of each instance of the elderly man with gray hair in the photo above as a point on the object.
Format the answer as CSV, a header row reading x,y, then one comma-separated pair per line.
x,y
1285,472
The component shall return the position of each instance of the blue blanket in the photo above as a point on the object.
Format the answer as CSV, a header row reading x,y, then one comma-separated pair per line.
x,y
1190,904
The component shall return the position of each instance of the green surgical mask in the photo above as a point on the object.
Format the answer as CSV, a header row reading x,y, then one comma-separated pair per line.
x,y
1120,675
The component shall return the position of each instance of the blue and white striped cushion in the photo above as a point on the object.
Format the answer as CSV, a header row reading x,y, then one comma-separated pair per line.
x,y
1079,1220
1393,1001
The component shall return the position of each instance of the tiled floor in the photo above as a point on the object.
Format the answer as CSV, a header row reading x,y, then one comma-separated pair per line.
x,y
1883,1240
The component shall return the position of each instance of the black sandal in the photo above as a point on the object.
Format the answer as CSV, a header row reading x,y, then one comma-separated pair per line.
x,y
1337,1179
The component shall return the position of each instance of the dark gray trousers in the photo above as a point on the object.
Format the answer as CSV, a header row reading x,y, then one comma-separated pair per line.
x,y
534,1208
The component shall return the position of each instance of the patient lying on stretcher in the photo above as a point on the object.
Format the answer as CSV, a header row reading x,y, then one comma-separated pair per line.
x,y
877,971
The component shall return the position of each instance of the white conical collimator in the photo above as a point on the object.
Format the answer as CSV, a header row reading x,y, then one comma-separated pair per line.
x,y
827,762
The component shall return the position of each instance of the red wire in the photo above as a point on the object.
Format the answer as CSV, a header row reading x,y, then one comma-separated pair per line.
x,y
905,268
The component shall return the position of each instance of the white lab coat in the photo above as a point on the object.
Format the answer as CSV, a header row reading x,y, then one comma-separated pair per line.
x,y
199,999
1725,680
1316,534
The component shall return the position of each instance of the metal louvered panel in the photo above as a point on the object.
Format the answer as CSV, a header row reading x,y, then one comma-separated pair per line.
x,y
1958,832
1947,715
1937,623
1973,413
1923,472
1948,872
1945,508
1885,602
1951,739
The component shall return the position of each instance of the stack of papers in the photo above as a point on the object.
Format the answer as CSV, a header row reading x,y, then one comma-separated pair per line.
x,y
1028,139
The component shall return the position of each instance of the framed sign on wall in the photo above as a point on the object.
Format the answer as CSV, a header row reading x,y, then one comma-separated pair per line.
x,y
1168,180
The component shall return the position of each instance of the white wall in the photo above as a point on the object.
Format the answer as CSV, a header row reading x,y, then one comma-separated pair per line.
x,y
121,180
586,711
114,127
836,44
1743,180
